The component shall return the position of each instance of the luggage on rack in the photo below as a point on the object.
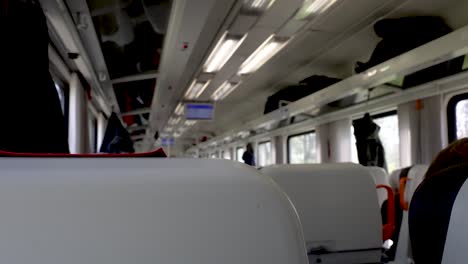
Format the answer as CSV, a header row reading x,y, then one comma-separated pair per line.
x,y
404,34
293,93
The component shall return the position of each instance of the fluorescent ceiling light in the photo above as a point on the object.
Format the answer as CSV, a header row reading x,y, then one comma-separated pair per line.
x,y
264,53
190,123
196,89
257,5
179,109
227,45
313,7
174,121
224,90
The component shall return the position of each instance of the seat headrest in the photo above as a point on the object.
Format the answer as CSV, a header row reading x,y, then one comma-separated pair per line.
x,y
395,179
127,210
430,213
415,177
337,204
380,177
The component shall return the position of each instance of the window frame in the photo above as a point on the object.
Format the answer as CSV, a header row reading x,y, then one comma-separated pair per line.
x,y
237,151
384,114
257,161
288,139
452,115
388,113
228,150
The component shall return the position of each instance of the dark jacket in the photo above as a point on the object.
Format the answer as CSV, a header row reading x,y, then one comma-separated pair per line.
x,y
249,158
30,110
116,139
369,147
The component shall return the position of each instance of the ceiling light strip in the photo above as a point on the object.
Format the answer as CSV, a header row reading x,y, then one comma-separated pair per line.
x,y
224,90
179,109
258,5
313,8
264,53
196,89
223,51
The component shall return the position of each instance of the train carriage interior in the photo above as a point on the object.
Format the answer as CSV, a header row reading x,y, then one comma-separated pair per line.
x,y
236,131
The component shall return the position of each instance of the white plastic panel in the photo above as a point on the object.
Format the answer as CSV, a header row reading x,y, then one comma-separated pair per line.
x,y
242,24
415,177
337,204
143,211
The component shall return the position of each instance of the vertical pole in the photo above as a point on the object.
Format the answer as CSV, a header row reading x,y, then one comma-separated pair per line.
x,y
101,130
78,122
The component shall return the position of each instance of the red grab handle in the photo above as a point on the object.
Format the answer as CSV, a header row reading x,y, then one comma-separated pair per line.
x,y
389,228
403,204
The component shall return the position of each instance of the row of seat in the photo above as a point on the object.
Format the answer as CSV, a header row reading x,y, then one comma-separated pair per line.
x,y
125,210
404,182
327,218
337,205
143,211
341,224
437,218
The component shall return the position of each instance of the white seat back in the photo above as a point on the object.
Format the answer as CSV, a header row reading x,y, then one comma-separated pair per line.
x,y
395,179
456,244
338,207
438,216
380,177
415,177
143,211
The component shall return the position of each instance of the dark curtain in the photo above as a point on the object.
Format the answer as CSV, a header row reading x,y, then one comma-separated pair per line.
x,y
30,111
369,147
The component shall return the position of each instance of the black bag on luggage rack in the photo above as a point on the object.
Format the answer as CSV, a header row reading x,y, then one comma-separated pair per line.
x,y
404,34
293,93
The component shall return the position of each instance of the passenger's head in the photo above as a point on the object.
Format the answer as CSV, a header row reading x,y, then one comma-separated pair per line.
x,y
455,154
249,147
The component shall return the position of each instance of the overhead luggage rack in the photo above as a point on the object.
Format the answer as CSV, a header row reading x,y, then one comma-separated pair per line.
x,y
445,48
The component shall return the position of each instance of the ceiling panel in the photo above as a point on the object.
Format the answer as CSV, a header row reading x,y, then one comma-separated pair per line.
x,y
196,23
279,13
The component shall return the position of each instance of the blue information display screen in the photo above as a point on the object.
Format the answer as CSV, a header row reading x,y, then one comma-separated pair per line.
x,y
199,111
167,142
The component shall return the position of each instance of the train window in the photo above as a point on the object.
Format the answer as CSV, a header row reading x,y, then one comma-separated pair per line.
x,y
239,152
92,133
354,156
390,137
227,155
302,148
457,116
214,155
265,155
